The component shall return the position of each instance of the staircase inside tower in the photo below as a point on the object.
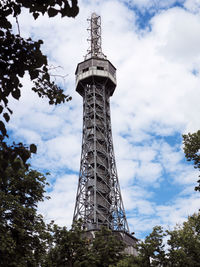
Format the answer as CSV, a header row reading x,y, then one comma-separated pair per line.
x,y
98,200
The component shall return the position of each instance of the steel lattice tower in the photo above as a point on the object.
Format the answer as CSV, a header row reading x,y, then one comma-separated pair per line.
x,y
98,200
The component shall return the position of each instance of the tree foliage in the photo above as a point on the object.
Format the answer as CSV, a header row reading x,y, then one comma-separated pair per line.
x,y
106,248
179,247
130,261
67,247
74,248
20,55
23,233
24,236
184,243
191,144
152,252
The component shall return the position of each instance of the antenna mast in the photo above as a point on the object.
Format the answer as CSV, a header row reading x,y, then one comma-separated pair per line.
x,y
95,37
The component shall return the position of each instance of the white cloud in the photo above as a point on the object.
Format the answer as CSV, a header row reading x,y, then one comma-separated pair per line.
x,y
152,5
60,207
192,5
149,173
146,215
181,31
176,212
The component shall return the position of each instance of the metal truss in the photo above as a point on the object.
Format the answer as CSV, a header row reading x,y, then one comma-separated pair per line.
x,y
98,200
95,49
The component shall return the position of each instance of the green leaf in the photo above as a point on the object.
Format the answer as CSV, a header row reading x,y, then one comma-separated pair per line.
x,y
25,155
16,93
40,42
51,102
46,76
5,24
6,117
16,165
52,12
36,15
21,72
3,128
33,148
34,74
45,69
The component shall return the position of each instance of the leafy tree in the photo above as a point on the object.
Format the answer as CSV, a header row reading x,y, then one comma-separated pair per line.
x,y
106,248
20,55
130,261
151,251
184,243
74,248
191,144
182,250
23,233
67,247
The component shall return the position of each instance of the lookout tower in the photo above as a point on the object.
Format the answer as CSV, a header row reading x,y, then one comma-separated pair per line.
x,y
98,201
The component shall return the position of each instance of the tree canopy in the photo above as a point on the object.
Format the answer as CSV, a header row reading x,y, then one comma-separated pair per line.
x,y
75,248
179,247
191,144
184,243
23,232
20,55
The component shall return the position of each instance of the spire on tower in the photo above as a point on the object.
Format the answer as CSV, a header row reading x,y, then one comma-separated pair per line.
x,y
94,39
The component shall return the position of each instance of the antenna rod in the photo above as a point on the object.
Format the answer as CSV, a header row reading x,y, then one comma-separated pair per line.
x,y
95,37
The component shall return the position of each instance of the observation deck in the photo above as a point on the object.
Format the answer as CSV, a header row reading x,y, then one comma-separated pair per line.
x,y
97,69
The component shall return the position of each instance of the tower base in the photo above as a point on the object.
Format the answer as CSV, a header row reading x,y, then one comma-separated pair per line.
x,y
129,240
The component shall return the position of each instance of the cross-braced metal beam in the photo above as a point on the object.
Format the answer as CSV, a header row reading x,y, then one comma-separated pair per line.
x,y
99,200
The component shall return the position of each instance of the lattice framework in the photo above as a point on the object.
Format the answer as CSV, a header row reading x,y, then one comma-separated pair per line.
x,y
98,200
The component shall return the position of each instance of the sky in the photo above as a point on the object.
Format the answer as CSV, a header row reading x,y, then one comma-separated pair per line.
x,y
154,45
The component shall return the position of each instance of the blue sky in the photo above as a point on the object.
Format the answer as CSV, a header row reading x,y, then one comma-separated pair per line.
x,y
155,47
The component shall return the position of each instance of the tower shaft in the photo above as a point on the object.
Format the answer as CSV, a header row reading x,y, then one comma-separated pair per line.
x,y
99,199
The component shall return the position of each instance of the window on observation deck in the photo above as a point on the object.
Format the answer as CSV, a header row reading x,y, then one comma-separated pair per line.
x,y
100,68
86,69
